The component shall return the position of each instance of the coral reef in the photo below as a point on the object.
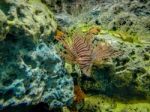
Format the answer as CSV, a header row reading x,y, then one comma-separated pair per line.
x,y
31,71
125,25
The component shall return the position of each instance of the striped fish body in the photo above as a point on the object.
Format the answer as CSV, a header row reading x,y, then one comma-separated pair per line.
x,y
83,53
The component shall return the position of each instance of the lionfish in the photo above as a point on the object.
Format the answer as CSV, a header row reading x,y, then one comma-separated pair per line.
x,y
80,50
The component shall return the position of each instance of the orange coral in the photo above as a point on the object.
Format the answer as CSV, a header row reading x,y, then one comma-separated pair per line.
x,y
79,94
59,35
94,30
78,99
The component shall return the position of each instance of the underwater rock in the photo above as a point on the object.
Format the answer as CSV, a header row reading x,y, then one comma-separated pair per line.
x,y
64,20
126,75
30,74
31,71
99,104
26,18
130,16
72,7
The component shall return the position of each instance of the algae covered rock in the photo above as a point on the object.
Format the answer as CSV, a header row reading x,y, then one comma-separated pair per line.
x,y
99,103
129,71
130,16
4,29
30,74
26,18
31,71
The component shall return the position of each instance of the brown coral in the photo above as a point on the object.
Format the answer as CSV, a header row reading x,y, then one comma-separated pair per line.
x,y
79,94
78,99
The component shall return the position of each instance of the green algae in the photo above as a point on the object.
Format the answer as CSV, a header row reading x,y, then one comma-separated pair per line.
x,y
69,68
34,1
125,36
106,104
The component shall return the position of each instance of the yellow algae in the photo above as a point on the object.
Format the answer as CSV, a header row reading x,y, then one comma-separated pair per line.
x,y
65,109
33,1
125,36
68,67
107,104
103,31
